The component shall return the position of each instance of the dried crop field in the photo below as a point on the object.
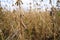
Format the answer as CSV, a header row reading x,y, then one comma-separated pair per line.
x,y
32,25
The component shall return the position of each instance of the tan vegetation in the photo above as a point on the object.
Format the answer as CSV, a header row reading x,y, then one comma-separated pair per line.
x,y
30,25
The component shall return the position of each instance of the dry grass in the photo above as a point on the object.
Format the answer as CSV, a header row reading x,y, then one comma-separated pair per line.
x,y
31,25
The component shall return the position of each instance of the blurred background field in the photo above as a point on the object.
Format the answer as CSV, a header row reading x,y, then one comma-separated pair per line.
x,y
29,25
